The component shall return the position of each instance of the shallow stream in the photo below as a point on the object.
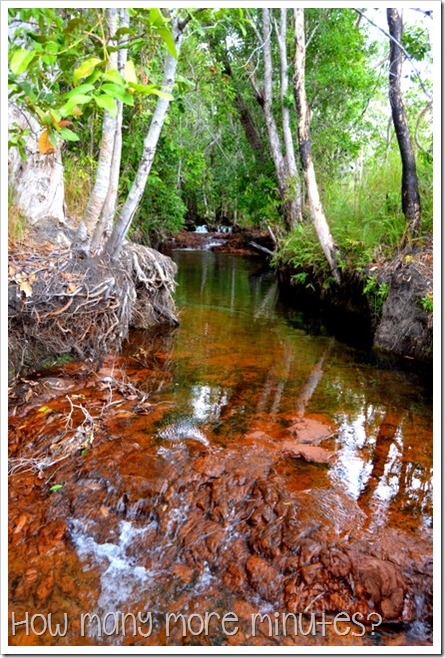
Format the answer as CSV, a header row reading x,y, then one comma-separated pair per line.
x,y
246,462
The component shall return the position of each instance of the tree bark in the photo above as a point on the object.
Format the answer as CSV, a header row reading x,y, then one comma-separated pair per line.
x,y
247,121
37,184
272,130
410,186
110,125
318,217
291,164
150,143
104,226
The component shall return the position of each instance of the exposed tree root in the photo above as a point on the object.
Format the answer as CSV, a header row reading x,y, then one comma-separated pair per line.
x,y
60,303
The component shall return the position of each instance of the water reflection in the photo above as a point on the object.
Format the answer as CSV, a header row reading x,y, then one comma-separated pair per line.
x,y
247,368
181,502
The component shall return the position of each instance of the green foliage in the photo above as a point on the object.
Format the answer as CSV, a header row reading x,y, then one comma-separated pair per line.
x,y
340,82
377,293
416,42
302,251
426,302
56,487
59,66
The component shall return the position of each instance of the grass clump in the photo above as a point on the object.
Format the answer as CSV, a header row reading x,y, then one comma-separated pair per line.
x,y
365,217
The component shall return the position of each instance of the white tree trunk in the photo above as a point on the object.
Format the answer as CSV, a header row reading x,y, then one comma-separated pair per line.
x,y
104,226
321,226
110,126
272,130
37,183
291,164
150,143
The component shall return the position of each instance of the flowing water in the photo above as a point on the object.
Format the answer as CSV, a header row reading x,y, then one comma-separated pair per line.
x,y
244,464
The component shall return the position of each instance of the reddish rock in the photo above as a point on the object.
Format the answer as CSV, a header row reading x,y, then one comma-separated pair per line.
x,y
311,429
381,582
210,466
264,578
308,453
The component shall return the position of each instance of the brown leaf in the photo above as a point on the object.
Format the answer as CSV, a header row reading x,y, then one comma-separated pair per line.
x,y
104,511
45,146
26,288
21,522
28,396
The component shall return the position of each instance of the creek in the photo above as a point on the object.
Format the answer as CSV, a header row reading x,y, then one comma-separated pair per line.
x,y
246,462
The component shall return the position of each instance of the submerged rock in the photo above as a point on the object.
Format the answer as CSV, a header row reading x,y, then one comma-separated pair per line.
x,y
308,453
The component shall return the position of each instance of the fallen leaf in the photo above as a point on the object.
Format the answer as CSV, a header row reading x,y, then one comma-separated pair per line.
x,y
104,511
28,396
21,523
26,288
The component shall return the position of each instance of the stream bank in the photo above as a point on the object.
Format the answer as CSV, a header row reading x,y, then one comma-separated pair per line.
x,y
387,305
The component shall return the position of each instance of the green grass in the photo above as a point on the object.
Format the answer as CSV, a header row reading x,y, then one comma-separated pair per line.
x,y
365,218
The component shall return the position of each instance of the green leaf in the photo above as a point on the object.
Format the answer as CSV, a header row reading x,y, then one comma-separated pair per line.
x,y
114,76
80,99
123,30
162,94
169,41
45,119
69,106
52,139
68,134
146,90
81,89
56,487
85,69
115,91
20,61
107,103
130,72
156,17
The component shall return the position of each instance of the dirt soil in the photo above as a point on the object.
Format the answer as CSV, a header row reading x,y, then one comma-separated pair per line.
x,y
406,326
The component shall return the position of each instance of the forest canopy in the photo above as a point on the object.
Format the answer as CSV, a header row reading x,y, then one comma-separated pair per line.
x,y
192,117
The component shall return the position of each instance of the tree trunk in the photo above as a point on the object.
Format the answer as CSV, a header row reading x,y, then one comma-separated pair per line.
x,y
272,130
318,217
410,186
291,164
247,121
110,127
104,226
36,183
150,143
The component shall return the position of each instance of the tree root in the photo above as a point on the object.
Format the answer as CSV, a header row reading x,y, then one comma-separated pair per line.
x,y
60,303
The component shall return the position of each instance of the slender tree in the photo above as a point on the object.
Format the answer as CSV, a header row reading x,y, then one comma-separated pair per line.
x,y
294,193
304,122
410,186
265,98
100,208
134,197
